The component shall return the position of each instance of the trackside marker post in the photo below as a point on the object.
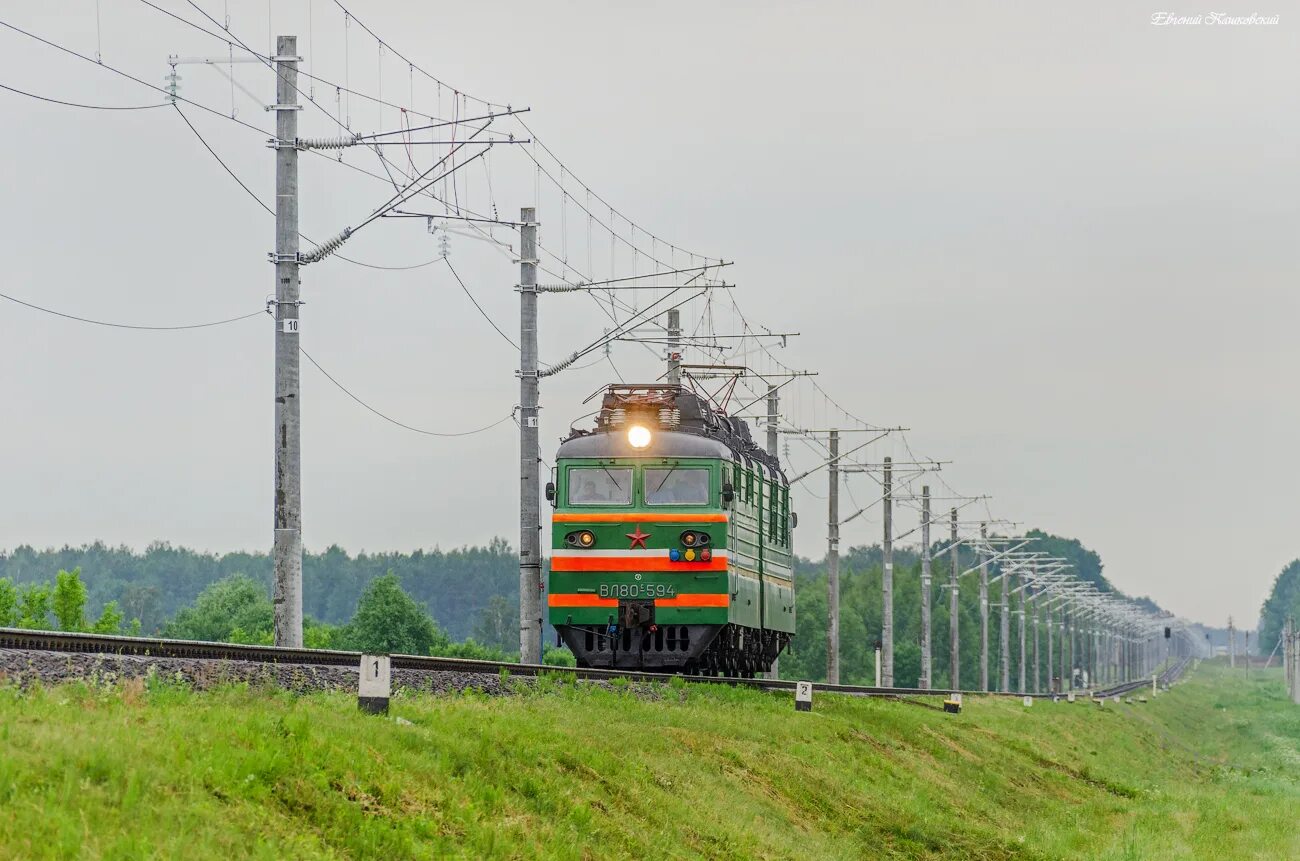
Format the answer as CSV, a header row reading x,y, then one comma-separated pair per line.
x,y
803,696
1029,701
375,685
952,704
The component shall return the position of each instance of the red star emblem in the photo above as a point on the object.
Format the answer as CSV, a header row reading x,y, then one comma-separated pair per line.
x,y
638,537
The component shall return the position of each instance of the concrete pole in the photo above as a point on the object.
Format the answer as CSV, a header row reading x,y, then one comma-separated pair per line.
x,y
954,613
287,548
1071,626
772,417
1287,655
1112,654
1295,662
1232,645
1034,610
1065,676
530,552
1094,648
833,565
1051,668
1291,659
1021,614
1004,656
984,611
926,660
1121,657
887,580
675,349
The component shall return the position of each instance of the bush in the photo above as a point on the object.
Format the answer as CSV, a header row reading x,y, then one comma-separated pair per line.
x,y
476,651
233,604
69,600
109,621
559,656
34,606
8,604
388,621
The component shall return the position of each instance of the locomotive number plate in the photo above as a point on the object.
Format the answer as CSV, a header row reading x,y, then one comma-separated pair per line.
x,y
637,590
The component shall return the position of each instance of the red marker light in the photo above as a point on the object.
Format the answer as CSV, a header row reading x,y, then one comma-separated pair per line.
x,y
706,555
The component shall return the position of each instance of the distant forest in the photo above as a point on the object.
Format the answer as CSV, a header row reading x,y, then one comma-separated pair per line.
x,y
473,592
1283,601
456,586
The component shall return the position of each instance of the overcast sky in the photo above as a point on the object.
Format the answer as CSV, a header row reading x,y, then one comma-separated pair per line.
x,y
1057,242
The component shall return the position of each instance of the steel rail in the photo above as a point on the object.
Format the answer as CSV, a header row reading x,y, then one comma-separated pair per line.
x,y
156,647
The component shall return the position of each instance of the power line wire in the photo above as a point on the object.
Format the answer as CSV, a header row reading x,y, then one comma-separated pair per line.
x,y
484,314
392,420
129,325
131,77
412,64
262,204
79,105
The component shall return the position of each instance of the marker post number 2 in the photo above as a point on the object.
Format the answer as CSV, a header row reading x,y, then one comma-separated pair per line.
x,y
803,696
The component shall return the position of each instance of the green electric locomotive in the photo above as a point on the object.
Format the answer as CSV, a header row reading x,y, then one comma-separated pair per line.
x,y
671,539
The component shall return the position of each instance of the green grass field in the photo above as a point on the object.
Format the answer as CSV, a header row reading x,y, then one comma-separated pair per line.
x,y
1208,770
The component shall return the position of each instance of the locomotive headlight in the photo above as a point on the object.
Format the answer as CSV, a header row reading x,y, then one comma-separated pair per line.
x,y
583,539
638,436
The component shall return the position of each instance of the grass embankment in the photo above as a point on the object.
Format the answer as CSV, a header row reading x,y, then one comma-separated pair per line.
x,y
1207,770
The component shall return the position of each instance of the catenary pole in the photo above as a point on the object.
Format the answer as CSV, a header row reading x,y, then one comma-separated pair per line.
x,y
887,580
833,564
926,659
675,352
1232,644
1021,614
954,616
1051,668
1004,656
1071,626
1035,610
773,417
984,608
287,549
530,553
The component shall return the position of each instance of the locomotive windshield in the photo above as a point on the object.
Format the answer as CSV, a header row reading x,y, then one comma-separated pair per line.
x,y
676,486
600,486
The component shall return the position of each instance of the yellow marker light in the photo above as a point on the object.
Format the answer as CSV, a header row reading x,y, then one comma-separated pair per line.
x,y
586,539
638,436
689,555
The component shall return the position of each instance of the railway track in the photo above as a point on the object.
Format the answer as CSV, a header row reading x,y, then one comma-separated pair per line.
x,y
59,641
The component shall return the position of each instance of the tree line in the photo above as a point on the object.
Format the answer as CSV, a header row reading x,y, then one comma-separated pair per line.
x,y
1283,601
468,601
464,589
44,605
861,572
